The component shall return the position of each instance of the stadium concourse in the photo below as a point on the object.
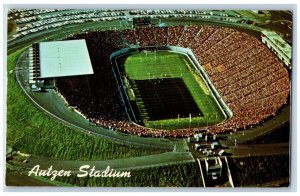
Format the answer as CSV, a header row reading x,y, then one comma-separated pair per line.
x,y
251,79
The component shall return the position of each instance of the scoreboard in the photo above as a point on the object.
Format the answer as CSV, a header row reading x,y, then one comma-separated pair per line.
x,y
141,21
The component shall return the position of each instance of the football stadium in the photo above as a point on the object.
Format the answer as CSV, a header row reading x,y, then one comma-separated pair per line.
x,y
204,92
168,91
252,82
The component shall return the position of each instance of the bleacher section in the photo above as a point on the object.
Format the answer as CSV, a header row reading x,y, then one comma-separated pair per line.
x,y
249,77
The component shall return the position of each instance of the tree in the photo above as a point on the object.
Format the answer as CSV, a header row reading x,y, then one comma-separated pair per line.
x,y
11,27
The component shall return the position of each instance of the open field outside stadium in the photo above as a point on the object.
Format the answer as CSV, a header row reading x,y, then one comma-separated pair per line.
x,y
168,91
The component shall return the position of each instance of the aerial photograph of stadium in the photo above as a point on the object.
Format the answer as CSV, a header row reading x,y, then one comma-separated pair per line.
x,y
148,98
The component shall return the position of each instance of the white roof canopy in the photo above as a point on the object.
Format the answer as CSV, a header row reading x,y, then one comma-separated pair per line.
x,y
64,58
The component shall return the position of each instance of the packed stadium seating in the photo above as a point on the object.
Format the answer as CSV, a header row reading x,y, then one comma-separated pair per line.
x,y
249,77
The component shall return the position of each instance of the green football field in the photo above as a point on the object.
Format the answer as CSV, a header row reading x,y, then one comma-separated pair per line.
x,y
168,92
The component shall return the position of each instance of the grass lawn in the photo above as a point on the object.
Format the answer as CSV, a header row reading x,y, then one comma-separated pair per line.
x,y
167,90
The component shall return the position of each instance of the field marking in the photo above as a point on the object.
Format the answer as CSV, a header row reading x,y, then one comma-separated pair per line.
x,y
205,105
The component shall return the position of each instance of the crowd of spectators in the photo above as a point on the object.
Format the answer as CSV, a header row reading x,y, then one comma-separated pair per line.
x,y
190,32
249,77
174,33
252,81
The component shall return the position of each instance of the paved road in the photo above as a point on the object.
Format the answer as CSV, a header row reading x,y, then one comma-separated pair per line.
x,y
259,149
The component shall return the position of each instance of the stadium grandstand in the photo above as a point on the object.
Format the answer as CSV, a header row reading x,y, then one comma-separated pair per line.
x,y
251,79
49,60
